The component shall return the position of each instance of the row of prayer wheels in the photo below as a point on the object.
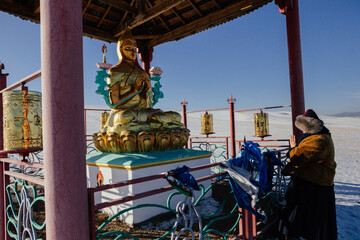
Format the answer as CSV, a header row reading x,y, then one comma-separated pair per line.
x,y
261,121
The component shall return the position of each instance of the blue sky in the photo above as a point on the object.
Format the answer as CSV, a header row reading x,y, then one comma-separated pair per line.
x,y
246,57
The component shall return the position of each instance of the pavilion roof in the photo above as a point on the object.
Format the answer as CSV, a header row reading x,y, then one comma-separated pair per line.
x,y
151,21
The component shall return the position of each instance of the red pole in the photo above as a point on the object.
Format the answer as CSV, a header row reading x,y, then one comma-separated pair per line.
x,y
227,148
231,101
85,130
184,103
145,55
247,225
62,83
91,208
291,9
3,180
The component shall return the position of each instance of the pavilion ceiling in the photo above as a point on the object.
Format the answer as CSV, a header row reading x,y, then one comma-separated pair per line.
x,y
151,21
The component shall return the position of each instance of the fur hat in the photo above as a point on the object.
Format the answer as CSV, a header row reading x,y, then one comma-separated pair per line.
x,y
309,122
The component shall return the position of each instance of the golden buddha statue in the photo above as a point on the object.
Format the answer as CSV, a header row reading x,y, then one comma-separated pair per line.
x,y
133,125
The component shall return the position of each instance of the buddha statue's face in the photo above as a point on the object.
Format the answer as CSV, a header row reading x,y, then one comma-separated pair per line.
x,y
128,50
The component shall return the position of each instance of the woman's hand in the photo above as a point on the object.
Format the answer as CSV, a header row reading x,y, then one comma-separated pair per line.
x,y
292,141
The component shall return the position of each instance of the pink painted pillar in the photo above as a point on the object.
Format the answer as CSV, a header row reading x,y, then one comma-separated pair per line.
x,y
63,120
3,181
291,9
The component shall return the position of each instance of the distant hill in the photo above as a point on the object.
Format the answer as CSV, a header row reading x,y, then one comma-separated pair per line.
x,y
347,114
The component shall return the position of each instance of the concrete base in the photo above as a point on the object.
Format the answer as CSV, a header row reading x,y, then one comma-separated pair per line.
x,y
122,167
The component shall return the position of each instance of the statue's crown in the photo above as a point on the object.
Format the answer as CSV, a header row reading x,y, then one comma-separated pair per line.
x,y
126,36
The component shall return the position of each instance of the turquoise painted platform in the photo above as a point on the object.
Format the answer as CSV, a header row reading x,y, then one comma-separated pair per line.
x,y
132,161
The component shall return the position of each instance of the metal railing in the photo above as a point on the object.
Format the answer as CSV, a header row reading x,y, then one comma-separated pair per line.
x,y
24,195
96,234
278,185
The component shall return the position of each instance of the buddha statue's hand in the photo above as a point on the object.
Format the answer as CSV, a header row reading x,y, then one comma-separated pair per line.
x,y
142,84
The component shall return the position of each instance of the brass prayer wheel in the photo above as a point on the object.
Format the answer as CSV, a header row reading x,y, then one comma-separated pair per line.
x,y
22,120
207,124
103,119
261,124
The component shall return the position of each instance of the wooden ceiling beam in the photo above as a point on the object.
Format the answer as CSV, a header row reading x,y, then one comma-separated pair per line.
x,y
36,8
103,17
216,4
233,10
155,11
117,34
97,33
144,37
160,17
19,10
96,19
178,16
121,5
196,8
153,20
86,7
141,6
164,22
149,14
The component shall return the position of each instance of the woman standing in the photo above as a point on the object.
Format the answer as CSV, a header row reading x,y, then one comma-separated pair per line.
x,y
309,212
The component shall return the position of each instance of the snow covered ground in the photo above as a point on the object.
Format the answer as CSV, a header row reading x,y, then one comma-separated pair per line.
x,y
345,132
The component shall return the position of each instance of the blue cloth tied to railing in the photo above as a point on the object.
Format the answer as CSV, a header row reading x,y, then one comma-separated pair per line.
x,y
250,172
184,181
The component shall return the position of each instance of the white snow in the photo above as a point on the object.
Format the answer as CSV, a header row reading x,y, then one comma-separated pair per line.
x,y
345,132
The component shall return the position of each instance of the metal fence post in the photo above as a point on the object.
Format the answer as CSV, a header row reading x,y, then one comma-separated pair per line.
x,y
231,101
92,215
184,103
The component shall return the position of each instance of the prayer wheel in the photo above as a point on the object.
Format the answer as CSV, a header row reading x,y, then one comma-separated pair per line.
x,y
207,124
22,120
261,124
103,119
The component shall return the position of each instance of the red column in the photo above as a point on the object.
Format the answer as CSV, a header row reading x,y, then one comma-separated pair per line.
x,y
291,9
3,77
184,103
63,120
231,101
249,225
145,55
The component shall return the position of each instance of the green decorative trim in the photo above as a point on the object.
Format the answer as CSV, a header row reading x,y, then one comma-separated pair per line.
x,y
215,217
218,153
157,94
133,161
103,86
100,235
11,209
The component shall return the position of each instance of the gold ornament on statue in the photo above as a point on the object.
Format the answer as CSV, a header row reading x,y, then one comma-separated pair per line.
x,y
207,124
103,119
22,120
261,124
104,51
